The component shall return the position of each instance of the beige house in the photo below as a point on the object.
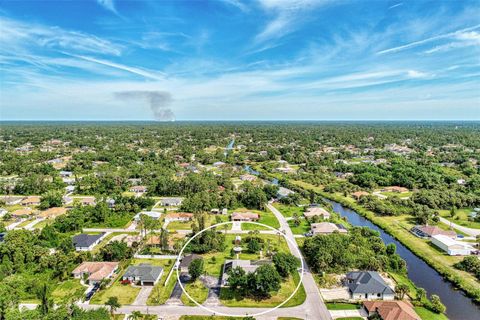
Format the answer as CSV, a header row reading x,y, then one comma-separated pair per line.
x,y
316,211
245,216
96,271
326,228
31,201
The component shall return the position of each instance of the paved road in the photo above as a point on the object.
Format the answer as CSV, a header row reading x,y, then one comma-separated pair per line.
x,y
313,306
469,231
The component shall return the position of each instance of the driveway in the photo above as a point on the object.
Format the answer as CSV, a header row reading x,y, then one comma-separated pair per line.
x,y
348,313
143,295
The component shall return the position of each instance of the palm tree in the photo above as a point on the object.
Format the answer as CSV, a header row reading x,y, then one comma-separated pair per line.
x,y
135,315
401,289
113,303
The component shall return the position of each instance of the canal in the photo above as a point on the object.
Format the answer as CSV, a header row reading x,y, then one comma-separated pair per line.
x,y
459,306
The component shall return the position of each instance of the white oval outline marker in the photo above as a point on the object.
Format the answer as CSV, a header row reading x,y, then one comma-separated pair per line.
x,y
177,264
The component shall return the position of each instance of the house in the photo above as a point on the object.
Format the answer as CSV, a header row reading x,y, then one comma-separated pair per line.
x,y
138,189
69,181
395,189
245,216
430,231
461,182
30,201
22,213
88,201
152,214
285,169
187,260
11,200
247,177
452,247
218,164
171,202
316,211
248,266
65,174
326,228
69,189
357,195
96,271
86,242
52,212
145,274
178,216
284,192
135,181
368,285
110,203
391,310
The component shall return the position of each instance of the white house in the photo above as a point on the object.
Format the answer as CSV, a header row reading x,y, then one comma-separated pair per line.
x,y
152,214
452,247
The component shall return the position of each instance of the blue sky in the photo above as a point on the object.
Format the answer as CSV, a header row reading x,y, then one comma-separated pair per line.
x,y
239,60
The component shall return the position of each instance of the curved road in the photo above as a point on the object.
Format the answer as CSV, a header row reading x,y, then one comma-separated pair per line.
x,y
471,232
312,308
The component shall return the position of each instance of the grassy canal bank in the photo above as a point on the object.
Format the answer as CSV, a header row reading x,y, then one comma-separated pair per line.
x,y
439,261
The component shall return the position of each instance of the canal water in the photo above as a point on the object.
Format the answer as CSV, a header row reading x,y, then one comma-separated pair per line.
x,y
459,306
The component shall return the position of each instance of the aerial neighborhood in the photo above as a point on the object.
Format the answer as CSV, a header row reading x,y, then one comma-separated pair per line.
x,y
135,229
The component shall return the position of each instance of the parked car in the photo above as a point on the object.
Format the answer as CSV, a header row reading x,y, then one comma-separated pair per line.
x,y
308,234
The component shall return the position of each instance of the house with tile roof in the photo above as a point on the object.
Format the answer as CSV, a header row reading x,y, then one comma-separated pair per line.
x,y
95,271
391,310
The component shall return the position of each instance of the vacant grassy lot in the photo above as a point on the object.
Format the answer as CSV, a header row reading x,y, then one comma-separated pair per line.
x,y
68,291
197,291
342,306
232,299
426,314
302,228
288,211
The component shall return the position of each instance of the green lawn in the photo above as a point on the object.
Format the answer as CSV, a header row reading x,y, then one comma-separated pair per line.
x,y
288,211
302,228
231,299
25,223
396,194
197,291
160,292
68,291
179,225
42,224
266,217
350,318
461,218
342,306
403,279
426,314
126,294
209,318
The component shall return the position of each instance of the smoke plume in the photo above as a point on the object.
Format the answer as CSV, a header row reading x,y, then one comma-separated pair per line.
x,y
159,102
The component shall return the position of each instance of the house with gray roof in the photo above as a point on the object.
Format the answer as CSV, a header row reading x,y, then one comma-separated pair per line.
x,y
145,274
368,285
86,242
171,202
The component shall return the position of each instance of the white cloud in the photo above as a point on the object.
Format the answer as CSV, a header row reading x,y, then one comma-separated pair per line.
x,y
287,15
134,70
238,4
20,36
428,40
108,4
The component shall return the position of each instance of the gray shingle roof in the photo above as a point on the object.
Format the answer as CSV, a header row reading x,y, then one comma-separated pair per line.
x,y
145,272
367,282
86,240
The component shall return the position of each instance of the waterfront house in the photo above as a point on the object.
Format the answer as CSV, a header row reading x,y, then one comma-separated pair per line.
x,y
430,231
391,310
326,228
368,285
316,211
452,247
358,194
